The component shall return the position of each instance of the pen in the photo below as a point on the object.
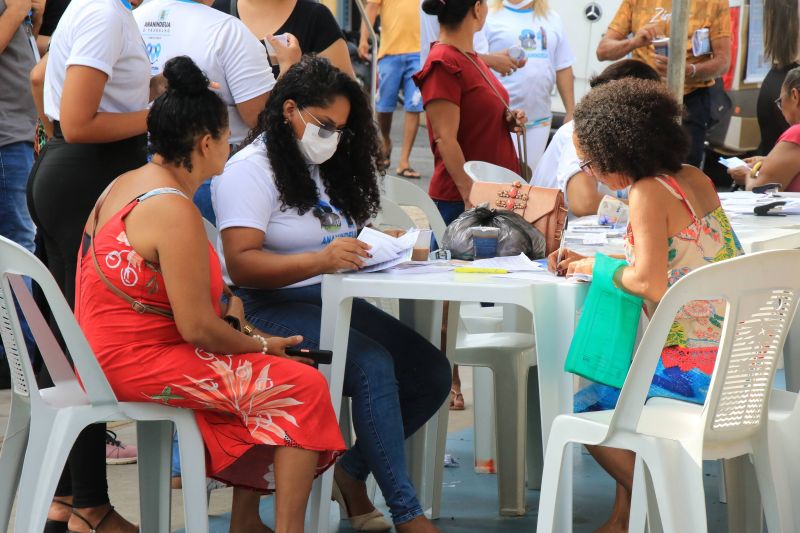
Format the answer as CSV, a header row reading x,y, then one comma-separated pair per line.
x,y
481,270
560,248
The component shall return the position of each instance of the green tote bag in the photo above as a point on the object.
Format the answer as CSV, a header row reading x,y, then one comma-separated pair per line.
x,y
602,347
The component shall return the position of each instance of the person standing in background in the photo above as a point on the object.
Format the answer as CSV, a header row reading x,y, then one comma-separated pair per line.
x,y
310,22
533,29
708,53
96,92
228,54
18,55
781,35
398,61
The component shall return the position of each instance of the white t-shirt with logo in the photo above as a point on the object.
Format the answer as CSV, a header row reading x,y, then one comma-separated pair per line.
x,y
221,45
101,34
561,161
245,196
547,49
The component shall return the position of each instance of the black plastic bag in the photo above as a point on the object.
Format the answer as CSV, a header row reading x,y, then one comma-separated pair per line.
x,y
516,234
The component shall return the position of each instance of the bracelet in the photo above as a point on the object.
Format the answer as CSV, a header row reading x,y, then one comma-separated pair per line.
x,y
694,70
263,343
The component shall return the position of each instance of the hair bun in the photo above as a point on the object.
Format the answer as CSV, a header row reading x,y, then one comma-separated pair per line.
x,y
433,7
185,77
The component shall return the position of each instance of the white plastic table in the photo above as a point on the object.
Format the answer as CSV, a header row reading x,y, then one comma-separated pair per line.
x,y
553,303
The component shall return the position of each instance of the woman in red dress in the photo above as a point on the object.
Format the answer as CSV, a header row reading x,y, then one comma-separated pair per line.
x,y
266,419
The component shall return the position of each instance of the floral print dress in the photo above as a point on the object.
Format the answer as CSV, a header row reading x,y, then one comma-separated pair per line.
x,y
690,351
245,404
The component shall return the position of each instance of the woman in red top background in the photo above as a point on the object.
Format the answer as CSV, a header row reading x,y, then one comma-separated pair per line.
x,y
467,120
782,164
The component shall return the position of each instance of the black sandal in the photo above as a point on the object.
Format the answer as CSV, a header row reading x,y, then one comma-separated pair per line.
x,y
56,526
93,529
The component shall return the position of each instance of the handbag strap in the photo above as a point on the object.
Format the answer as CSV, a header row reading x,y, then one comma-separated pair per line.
x,y
522,140
137,305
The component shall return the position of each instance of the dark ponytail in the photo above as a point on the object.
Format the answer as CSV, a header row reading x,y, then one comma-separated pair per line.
x,y
184,113
450,13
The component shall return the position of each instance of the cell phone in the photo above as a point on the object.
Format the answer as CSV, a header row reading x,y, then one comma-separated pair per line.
x,y
282,38
320,357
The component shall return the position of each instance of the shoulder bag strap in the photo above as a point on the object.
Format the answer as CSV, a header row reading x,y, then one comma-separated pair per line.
x,y
234,9
137,306
522,141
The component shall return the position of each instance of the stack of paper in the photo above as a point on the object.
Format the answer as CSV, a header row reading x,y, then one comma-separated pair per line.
x,y
387,251
743,203
514,263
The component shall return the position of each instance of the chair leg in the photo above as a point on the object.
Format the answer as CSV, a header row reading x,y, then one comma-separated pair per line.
x,y
551,475
678,486
510,405
534,451
12,454
744,501
193,475
50,442
154,440
775,491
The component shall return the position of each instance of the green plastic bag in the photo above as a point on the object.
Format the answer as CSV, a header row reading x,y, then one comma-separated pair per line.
x,y
602,347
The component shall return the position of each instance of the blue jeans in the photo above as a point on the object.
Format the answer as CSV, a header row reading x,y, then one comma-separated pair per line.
x,y
396,72
449,211
396,379
16,161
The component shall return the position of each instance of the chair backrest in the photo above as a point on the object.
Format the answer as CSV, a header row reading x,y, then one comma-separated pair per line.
x,y
402,192
392,214
761,293
483,171
17,264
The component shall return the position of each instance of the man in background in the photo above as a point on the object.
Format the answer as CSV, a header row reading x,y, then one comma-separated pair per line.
x,y
708,53
398,61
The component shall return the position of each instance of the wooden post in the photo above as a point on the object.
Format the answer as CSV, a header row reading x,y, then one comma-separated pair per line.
x,y
679,30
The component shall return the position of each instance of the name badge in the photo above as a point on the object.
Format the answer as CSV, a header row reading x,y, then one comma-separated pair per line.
x,y
701,44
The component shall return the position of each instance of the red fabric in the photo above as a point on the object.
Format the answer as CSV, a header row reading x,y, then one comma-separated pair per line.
x,y
482,131
792,135
245,404
727,78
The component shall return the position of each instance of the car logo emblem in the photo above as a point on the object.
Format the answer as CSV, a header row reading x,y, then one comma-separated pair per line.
x,y
593,12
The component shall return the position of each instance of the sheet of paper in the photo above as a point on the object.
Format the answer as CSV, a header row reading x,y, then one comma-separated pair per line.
x,y
514,263
387,251
732,162
420,267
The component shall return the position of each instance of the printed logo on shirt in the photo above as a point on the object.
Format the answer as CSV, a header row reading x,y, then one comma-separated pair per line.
x,y
161,26
534,42
153,52
331,221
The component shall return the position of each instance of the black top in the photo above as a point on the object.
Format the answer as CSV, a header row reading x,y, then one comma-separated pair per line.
x,y
53,10
312,23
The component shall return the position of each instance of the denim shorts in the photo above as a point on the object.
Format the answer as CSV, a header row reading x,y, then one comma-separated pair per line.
x,y
394,73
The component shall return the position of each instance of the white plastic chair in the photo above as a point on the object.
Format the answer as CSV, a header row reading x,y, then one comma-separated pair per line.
x,y
784,441
671,438
57,415
509,356
483,171
401,192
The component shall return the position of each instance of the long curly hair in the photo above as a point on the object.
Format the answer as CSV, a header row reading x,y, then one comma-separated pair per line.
x,y
351,175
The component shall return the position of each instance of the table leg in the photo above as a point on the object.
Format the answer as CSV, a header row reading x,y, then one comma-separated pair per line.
x,y
334,333
554,319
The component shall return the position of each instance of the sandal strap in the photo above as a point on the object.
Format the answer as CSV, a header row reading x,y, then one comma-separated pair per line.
x,y
93,529
63,503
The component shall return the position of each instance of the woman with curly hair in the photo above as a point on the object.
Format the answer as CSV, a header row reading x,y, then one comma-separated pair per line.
x,y
627,133
289,206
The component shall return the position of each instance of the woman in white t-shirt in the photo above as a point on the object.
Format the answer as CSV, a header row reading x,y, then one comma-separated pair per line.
x,y
289,207
537,32
96,91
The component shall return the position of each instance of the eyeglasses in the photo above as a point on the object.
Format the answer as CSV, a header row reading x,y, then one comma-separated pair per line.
x,y
586,167
325,130
779,102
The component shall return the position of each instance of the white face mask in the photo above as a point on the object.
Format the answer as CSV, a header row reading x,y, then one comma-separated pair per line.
x,y
316,146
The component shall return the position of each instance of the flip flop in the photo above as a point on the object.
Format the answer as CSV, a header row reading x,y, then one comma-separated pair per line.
x,y
408,172
456,401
